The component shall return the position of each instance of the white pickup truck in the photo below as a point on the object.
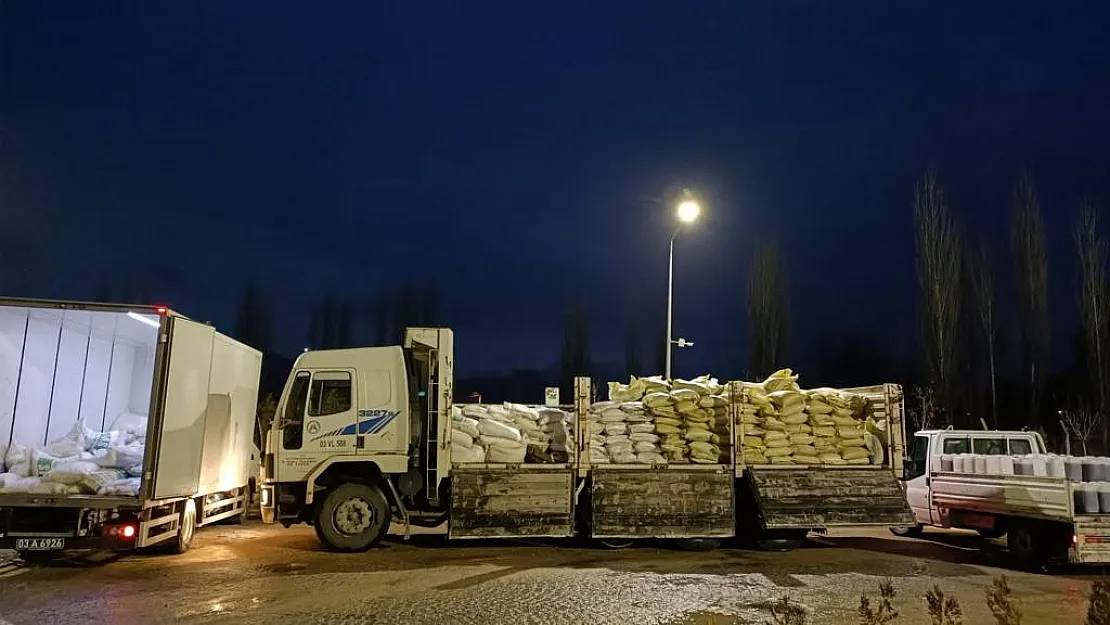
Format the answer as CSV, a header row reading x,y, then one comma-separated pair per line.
x,y
1004,483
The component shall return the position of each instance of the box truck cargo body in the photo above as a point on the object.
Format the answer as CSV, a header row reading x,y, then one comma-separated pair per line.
x,y
124,426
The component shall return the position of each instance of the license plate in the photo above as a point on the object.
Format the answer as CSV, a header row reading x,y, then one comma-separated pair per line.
x,y
39,544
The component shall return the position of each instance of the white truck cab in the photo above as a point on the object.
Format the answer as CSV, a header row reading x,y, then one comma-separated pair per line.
x,y
359,437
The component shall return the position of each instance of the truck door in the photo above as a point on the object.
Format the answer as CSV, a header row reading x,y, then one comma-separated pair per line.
x,y
317,422
331,421
917,480
184,407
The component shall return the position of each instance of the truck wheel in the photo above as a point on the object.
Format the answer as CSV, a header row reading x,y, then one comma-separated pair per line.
x,y
1024,544
910,531
353,517
615,543
698,544
186,528
781,540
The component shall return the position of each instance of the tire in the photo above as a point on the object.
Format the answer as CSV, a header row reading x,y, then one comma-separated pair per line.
x,y
912,531
615,543
353,517
781,540
698,544
1024,545
186,528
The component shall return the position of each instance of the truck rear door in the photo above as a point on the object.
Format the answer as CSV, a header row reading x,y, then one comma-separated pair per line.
x,y
184,406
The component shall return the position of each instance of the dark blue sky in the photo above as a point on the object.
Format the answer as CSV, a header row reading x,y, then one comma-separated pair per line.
x,y
502,151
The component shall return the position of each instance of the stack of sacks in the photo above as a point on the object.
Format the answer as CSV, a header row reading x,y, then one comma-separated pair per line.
x,y
779,423
702,407
83,462
840,423
527,420
623,432
498,435
464,435
558,426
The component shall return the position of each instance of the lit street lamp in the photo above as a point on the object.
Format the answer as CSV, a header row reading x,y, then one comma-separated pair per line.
x,y
688,211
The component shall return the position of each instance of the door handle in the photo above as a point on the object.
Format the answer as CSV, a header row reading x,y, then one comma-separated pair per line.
x,y
360,442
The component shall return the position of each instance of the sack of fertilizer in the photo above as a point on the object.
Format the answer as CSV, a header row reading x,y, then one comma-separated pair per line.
x,y
504,450
490,428
69,471
466,425
126,487
120,457
18,460
613,415
467,454
602,406
499,413
650,457
781,380
521,411
655,384
632,391
657,400
461,439
93,482
475,412
12,483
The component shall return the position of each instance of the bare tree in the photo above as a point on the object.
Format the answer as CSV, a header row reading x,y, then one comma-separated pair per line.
x,y
981,273
1031,275
1081,423
768,312
922,411
938,280
1094,304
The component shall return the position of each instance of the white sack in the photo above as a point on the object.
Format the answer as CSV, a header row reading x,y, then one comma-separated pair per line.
x,y
461,439
650,457
17,484
520,410
18,460
475,412
126,486
504,450
466,425
69,471
468,454
121,457
496,429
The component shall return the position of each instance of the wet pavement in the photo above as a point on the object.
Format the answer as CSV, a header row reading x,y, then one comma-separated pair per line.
x,y
256,574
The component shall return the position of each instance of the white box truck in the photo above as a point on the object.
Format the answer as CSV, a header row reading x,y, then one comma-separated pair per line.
x,y
179,394
1037,510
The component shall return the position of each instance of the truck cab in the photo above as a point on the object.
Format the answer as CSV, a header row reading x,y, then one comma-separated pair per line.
x,y
357,439
924,458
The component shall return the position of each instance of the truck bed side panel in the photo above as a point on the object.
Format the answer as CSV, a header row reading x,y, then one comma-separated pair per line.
x,y
511,502
663,503
1019,495
181,434
823,497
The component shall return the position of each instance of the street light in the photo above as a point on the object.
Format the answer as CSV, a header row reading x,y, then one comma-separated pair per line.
x,y
688,211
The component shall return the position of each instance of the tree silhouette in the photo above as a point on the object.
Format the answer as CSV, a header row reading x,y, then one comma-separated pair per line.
x,y
938,280
767,310
1031,280
575,354
1093,251
254,319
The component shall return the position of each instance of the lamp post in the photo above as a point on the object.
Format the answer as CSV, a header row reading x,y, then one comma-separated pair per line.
x,y
688,211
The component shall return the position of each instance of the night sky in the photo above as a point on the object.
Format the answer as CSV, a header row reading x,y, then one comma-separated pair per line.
x,y
507,153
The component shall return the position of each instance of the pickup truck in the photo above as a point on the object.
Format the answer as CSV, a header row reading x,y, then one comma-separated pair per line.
x,y
1037,511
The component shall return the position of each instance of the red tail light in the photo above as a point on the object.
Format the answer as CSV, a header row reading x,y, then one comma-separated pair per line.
x,y
127,531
